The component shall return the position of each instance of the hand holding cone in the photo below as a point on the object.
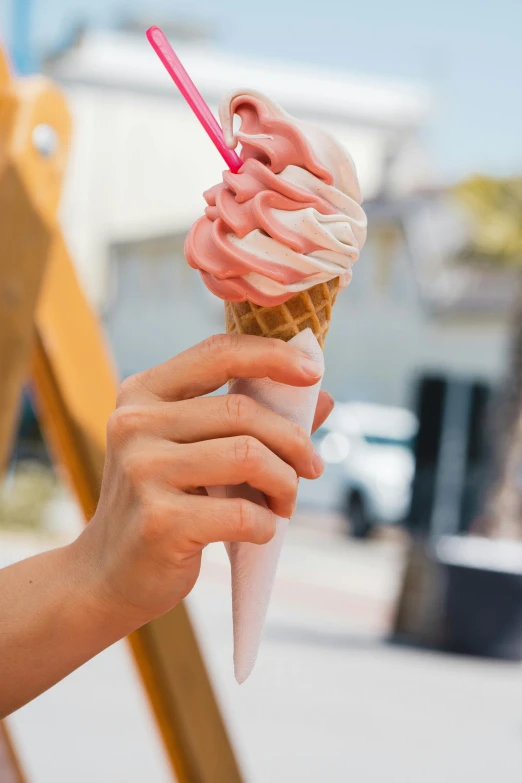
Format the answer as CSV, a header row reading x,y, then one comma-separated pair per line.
x,y
277,242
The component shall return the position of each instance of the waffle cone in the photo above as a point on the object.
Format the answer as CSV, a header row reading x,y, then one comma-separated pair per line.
x,y
308,309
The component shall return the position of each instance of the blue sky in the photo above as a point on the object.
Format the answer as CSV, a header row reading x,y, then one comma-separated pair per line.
x,y
468,52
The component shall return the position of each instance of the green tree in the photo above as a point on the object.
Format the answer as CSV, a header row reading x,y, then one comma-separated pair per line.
x,y
495,206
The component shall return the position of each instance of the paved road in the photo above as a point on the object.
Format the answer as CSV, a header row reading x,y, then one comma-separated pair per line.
x,y
327,700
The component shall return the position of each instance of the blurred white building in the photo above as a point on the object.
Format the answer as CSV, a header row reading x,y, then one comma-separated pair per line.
x,y
140,162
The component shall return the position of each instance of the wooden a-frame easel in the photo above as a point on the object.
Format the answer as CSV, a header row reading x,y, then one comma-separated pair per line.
x,y
50,336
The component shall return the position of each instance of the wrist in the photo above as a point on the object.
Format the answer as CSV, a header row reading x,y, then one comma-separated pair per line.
x,y
91,584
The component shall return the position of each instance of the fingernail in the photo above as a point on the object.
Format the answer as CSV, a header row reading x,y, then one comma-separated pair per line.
x,y
310,367
317,463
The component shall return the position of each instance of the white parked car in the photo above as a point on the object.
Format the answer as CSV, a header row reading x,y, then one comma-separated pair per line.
x,y
373,447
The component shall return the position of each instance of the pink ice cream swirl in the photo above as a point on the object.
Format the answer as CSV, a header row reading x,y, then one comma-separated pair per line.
x,y
289,219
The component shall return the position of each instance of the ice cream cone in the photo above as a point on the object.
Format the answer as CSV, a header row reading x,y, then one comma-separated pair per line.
x,y
253,567
310,309
289,216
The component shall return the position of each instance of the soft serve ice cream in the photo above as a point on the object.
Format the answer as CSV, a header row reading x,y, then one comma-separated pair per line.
x,y
289,219
276,241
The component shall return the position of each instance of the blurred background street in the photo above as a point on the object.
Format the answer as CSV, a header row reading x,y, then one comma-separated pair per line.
x,y
328,699
393,644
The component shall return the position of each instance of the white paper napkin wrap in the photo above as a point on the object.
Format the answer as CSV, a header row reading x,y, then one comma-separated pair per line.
x,y
254,566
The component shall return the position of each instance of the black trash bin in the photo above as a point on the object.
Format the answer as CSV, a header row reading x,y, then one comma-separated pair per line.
x,y
483,613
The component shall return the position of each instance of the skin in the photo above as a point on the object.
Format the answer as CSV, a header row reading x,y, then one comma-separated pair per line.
x,y
141,552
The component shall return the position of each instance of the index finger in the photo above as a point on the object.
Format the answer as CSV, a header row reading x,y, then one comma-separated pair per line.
x,y
210,364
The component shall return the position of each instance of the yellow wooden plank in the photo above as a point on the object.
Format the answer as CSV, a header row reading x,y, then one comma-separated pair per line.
x,y
24,247
29,192
76,389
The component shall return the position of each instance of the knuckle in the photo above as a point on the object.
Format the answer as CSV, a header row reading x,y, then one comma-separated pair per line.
x,y
136,469
275,347
247,451
245,519
126,390
124,422
154,522
219,344
253,523
238,408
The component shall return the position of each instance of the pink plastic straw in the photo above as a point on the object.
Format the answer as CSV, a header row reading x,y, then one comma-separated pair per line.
x,y
190,92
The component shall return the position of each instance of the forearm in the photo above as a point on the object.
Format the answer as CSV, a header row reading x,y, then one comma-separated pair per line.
x,y
141,553
53,618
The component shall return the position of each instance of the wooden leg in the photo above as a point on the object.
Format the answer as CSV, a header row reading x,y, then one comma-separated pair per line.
x,y
24,248
25,242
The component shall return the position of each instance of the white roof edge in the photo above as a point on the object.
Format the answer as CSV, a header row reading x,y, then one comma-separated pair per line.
x,y
126,61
